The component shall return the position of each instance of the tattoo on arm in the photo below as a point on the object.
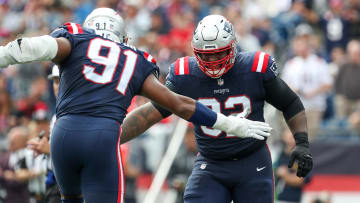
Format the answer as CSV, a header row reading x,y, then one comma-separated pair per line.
x,y
138,121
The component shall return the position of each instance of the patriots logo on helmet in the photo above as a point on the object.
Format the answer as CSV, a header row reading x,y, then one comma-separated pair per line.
x,y
227,27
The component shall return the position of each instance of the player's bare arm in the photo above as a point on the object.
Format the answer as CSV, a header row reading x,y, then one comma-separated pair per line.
x,y
138,121
178,104
283,98
64,50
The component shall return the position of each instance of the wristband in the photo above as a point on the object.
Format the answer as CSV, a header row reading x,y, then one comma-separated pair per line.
x,y
203,116
301,138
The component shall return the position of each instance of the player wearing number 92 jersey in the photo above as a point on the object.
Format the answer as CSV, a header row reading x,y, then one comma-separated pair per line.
x,y
229,168
240,89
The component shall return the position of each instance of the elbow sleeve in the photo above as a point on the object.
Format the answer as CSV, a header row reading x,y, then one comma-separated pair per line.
x,y
25,50
279,94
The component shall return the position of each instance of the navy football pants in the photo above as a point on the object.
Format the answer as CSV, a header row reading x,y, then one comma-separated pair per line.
x,y
86,156
249,179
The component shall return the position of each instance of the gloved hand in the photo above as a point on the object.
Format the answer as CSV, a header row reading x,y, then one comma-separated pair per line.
x,y
242,127
301,154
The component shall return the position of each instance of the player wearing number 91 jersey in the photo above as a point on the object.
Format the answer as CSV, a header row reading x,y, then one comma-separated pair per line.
x,y
99,75
229,168
91,70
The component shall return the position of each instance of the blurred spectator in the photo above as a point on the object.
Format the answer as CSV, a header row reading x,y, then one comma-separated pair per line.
x,y
285,23
335,25
337,59
246,40
34,101
136,17
288,186
347,82
41,117
183,164
13,167
27,169
159,21
354,120
309,76
353,14
41,146
199,8
5,109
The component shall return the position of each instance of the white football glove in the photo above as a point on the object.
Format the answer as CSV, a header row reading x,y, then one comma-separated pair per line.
x,y
242,127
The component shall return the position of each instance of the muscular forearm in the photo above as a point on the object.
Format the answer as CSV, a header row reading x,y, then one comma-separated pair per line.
x,y
138,121
297,123
182,106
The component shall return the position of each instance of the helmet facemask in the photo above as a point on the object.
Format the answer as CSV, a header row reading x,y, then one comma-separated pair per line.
x,y
222,60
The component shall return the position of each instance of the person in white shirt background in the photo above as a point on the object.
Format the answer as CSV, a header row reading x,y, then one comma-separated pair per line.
x,y
309,76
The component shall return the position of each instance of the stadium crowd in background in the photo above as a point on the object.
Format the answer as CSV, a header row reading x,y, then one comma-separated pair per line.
x,y
164,28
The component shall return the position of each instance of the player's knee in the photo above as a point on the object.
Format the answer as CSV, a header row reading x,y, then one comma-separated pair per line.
x,y
72,199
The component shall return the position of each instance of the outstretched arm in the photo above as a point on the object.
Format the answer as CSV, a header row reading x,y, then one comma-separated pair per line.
x,y
199,114
175,103
138,121
30,49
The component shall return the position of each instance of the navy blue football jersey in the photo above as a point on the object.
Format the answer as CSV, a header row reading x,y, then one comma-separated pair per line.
x,y
241,87
100,77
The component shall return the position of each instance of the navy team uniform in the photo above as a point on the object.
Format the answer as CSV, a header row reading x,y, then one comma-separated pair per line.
x,y
228,166
97,82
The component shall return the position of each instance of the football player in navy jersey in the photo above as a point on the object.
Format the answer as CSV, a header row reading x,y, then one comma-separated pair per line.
x,y
99,76
229,168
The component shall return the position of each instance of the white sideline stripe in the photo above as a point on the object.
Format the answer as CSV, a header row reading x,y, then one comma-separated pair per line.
x,y
74,27
261,62
121,172
181,66
167,161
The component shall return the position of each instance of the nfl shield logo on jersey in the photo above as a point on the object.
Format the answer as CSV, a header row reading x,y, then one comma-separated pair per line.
x,y
220,81
203,166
